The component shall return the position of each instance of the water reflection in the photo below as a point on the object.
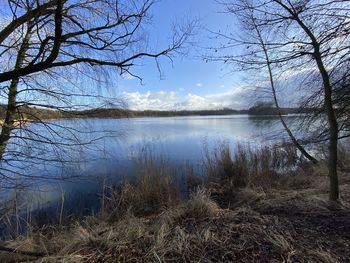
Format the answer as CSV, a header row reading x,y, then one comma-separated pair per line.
x,y
115,143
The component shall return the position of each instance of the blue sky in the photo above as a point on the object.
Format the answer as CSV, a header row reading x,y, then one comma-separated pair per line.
x,y
188,82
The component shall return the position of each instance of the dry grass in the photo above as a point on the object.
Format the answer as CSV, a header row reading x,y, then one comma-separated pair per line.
x,y
150,191
265,167
245,213
191,232
201,205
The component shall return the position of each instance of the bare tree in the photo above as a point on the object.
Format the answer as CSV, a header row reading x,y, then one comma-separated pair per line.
x,y
265,51
295,38
12,92
51,50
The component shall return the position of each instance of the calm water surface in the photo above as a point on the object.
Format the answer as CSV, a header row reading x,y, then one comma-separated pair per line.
x,y
108,148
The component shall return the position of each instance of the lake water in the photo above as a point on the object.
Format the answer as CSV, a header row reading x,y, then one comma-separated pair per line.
x,y
90,150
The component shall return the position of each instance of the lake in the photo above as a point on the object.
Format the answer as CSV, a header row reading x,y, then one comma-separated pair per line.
x,y
88,152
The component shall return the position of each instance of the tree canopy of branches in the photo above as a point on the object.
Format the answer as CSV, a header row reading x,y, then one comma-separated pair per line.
x,y
49,47
65,33
307,42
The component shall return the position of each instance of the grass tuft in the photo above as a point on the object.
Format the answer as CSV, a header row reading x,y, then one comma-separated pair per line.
x,y
201,205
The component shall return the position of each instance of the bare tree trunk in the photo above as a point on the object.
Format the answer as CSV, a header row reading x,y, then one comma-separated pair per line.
x,y
332,119
273,88
292,137
333,130
12,96
328,105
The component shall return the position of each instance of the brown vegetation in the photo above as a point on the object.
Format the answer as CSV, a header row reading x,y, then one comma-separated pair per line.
x,y
150,192
265,166
244,212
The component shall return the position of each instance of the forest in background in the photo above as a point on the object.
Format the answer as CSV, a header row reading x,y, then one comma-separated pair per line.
x,y
34,113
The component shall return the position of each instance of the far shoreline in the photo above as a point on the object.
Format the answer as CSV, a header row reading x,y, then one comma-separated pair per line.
x,y
35,115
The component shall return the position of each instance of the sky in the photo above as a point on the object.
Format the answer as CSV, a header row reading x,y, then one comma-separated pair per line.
x,y
187,82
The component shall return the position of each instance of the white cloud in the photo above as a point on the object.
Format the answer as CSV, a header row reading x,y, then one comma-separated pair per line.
x,y
199,84
236,98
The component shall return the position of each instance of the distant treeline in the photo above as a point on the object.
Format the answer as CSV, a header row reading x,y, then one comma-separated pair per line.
x,y
153,113
41,113
268,108
33,113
